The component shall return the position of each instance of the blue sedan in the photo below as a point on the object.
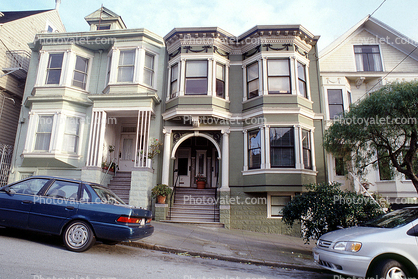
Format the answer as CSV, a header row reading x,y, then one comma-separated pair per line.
x,y
79,211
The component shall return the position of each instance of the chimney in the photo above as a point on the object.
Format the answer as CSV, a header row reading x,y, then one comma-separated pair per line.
x,y
57,4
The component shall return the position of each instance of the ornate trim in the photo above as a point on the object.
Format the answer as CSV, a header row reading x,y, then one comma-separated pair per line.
x,y
174,54
269,46
204,49
254,51
304,53
225,54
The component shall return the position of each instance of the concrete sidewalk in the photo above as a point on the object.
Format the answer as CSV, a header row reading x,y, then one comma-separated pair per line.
x,y
231,245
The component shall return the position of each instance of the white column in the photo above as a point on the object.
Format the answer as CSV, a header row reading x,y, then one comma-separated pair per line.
x,y
182,79
68,65
267,145
293,76
211,76
264,76
43,64
227,81
245,132
298,148
166,157
31,134
168,97
308,87
139,65
225,159
263,148
101,138
244,81
58,131
260,76
114,66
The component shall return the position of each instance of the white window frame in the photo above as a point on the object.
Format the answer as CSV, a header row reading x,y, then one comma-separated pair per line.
x,y
280,194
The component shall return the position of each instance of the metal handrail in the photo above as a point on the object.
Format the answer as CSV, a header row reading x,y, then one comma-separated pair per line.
x,y
215,204
107,171
173,195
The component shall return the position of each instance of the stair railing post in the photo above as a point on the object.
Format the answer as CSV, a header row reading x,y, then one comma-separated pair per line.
x,y
173,196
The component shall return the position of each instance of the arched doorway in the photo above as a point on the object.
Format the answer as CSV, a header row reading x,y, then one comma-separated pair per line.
x,y
196,155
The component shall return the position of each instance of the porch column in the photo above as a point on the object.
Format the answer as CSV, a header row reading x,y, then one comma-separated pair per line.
x,y
97,132
166,157
225,159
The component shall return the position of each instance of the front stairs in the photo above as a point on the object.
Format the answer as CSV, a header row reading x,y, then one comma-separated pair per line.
x,y
197,206
121,185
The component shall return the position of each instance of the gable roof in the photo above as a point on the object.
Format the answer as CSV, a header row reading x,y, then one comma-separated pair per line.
x,y
385,33
104,14
11,16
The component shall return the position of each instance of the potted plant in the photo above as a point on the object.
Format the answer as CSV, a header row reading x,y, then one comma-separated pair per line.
x,y
105,165
161,191
113,166
200,181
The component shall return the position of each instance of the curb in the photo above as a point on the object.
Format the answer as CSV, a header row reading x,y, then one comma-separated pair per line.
x,y
225,258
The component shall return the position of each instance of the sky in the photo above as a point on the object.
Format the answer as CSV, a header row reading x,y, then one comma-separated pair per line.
x,y
327,18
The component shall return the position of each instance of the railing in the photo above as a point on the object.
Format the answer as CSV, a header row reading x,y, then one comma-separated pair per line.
x,y
363,189
112,163
6,152
215,204
173,195
17,59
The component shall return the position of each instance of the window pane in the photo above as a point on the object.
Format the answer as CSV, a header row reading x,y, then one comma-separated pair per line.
x,y
282,152
254,158
335,96
79,80
281,137
149,61
220,72
253,89
127,57
252,71
335,110
53,76
196,68
368,58
340,167
63,189
302,88
71,143
280,200
278,67
173,89
279,84
174,72
125,74
55,60
72,125
148,75
306,142
45,124
81,64
276,210
198,86
301,71
254,139
30,186
42,141
220,88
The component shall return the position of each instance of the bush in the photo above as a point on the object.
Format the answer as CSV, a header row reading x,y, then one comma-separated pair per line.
x,y
325,207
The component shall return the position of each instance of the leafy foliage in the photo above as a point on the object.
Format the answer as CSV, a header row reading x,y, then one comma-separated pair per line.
x,y
161,190
383,125
325,207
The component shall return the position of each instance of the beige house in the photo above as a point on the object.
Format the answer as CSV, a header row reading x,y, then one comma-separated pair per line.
x,y
17,29
366,57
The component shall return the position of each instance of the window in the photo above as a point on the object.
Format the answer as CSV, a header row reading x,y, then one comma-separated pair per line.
x,y
71,134
43,132
306,145
63,190
30,186
278,76
340,168
350,100
126,66
49,29
220,80
277,205
282,147
302,80
335,102
80,72
149,69
174,80
386,171
103,27
368,58
54,68
196,77
252,80
254,149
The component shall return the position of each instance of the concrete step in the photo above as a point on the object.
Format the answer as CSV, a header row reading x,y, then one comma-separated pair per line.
x,y
205,224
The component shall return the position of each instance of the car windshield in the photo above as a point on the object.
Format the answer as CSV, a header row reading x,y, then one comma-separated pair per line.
x,y
106,195
394,219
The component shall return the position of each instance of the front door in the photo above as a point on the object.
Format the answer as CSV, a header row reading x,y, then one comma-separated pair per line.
x,y
183,165
127,153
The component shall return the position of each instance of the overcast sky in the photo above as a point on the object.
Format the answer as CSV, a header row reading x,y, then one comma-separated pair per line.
x,y
327,18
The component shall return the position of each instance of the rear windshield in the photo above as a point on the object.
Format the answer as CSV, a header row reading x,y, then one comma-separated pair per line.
x,y
394,219
106,195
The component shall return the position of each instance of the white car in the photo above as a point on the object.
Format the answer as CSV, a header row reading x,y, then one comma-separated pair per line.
x,y
385,247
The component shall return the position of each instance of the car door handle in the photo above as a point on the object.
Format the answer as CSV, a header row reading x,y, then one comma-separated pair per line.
x,y
69,208
26,202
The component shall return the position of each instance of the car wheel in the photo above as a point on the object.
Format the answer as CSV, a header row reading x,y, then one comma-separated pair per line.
x,y
390,269
78,236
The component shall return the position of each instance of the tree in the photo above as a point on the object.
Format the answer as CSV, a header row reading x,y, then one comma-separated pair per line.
x,y
380,128
325,207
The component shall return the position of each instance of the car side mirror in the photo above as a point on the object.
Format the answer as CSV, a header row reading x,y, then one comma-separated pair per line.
x,y
413,231
9,191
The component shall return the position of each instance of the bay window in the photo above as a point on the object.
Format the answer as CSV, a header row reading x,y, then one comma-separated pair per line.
x,y
278,72
43,133
126,66
282,147
252,80
54,68
149,69
80,72
196,82
220,80
254,149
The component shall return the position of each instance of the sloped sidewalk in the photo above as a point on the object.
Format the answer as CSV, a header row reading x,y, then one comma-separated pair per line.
x,y
231,245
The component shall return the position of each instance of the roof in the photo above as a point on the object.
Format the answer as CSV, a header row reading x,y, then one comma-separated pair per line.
x,y
11,16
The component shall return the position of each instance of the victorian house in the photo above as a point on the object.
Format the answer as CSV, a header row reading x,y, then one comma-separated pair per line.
x,y
240,116
17,29
366,57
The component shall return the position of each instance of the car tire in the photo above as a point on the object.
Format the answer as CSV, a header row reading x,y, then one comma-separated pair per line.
x,y
78,236
390,269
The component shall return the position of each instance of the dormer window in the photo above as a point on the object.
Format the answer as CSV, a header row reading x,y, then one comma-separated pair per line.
x,y
252,80
103,27
54,68
196,77
368,58
126,66
278,76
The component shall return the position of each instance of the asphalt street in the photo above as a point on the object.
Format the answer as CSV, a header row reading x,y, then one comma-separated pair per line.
x,y
25,255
